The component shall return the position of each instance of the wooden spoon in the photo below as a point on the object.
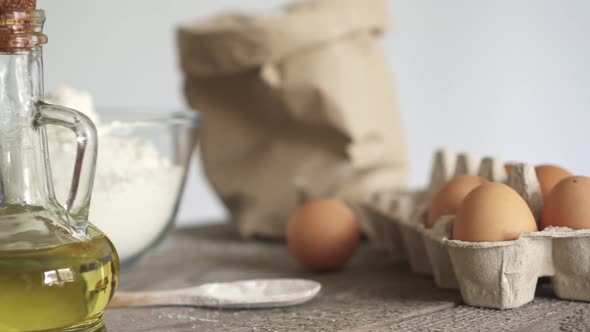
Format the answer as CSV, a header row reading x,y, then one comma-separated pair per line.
x,y
246,294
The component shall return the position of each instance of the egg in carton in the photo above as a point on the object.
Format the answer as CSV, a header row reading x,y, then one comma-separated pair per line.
x,y
432,238
436,238
504,274
501,274
489,168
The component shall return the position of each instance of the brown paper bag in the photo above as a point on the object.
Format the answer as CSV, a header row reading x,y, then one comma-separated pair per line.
x,y
295,105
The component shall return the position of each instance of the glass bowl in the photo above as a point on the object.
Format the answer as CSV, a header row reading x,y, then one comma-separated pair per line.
x,y
142,166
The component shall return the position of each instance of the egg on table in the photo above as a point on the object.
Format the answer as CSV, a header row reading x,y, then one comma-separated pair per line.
x,y
323,235
450,196
568,204
492,212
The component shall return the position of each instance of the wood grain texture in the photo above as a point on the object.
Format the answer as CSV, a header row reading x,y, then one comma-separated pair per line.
x,y
373,294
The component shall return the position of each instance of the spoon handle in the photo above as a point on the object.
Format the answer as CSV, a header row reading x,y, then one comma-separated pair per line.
x,y
259,293
146,299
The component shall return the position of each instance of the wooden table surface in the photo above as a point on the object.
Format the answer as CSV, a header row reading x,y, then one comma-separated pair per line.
x,y
374,293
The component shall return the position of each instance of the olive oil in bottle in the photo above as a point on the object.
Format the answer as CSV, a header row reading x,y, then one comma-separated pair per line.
x,y
57,271
60,288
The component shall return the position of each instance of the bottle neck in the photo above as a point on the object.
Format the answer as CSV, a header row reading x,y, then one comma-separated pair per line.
x,y
21,81
24,170
21,60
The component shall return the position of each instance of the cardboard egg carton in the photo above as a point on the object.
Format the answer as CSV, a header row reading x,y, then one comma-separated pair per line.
x,y
488,274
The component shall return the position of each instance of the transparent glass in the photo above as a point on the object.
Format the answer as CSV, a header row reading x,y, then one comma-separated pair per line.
x,y
57,271
143,161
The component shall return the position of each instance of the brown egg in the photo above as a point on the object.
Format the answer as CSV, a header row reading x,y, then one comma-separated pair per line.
x,y
492,212
549,176
568,204
323,235
450,196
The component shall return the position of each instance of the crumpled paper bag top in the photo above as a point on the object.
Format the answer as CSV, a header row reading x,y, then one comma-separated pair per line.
x,y
234,42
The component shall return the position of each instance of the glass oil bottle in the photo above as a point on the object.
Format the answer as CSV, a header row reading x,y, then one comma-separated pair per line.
x,y
57,271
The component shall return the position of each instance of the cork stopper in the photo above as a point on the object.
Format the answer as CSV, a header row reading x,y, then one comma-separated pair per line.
x,y
21,25
17,5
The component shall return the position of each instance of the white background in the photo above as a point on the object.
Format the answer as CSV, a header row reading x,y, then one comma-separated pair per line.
x,y
504,78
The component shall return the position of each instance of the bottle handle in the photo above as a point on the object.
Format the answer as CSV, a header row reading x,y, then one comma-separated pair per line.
x,y
78,203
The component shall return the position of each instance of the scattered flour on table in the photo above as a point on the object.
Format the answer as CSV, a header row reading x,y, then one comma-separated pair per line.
x,y
135,188
192,315
189,318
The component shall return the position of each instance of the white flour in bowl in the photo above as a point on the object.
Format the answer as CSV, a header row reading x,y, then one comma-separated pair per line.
x,y
135,188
